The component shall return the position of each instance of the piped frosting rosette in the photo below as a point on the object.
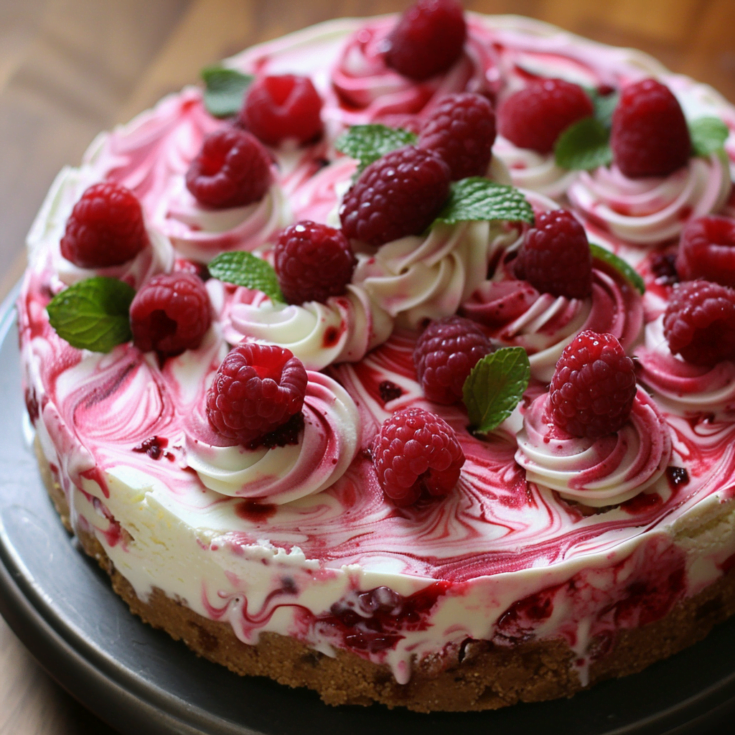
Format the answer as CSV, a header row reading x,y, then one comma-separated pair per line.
x,y
600,472
685,388
652,210
326,447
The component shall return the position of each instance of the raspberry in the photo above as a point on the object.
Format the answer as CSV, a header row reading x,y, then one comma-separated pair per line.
x,y
416,450
445,354
280,107
313,262
257,389
461,130
105,228
170,314
427,40
399,194
649,136
699,322
707,250
537,115
593,388
555,257
231,170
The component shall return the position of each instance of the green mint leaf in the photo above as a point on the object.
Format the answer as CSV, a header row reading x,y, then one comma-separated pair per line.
x,y
367,143
583,146
495,386
246,269
93,314
620,265
604,106
224,90
708,135
477,198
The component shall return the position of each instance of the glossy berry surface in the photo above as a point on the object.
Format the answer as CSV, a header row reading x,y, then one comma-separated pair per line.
x,y
707,250
699,322
555,256
427,40
445,354
416,451
232,169
257,389
313,262
461,131
105,228
594,386
171,313
535,116
400,194
279,108
649,136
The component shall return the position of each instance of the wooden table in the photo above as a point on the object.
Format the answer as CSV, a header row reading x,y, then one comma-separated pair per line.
x,y
69,68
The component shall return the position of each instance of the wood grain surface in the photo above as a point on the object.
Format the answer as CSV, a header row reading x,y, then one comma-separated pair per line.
x,y
70,68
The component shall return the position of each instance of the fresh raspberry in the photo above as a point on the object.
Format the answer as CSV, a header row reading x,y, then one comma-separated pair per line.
x,y
105,228
280,107
699,322
707,250
461,130
649,136
257,389
537,115
445,354
313,262
555,256
593,388
231,170
170,314
427,40
399,194
416,450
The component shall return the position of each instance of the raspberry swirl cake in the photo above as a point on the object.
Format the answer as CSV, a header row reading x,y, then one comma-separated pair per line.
x,y
405,378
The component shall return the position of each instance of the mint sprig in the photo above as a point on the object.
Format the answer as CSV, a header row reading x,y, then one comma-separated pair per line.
x,y
224,90
367,143
605,105
495,386
583,146
93,314
628,272
708,135
477,198
246,269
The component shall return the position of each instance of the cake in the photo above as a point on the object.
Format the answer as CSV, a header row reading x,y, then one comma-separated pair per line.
x,y
535,557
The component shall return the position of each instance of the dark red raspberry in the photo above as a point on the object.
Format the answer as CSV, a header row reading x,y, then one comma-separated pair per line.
x,y
461,130
231,170
593,388
170,314
555,256
399,194
105,228
537,115
416,450
313,262
707,250
257,389
650,136
445,354
699,322
280,107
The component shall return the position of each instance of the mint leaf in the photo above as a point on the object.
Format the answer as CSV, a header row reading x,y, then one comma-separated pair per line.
x,y
477,198
620,265
93,314
245,269
604,106
367,143
583,146
224,90
708,135
495,386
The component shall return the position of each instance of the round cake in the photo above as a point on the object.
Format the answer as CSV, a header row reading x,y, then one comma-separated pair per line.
x,y
407,377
